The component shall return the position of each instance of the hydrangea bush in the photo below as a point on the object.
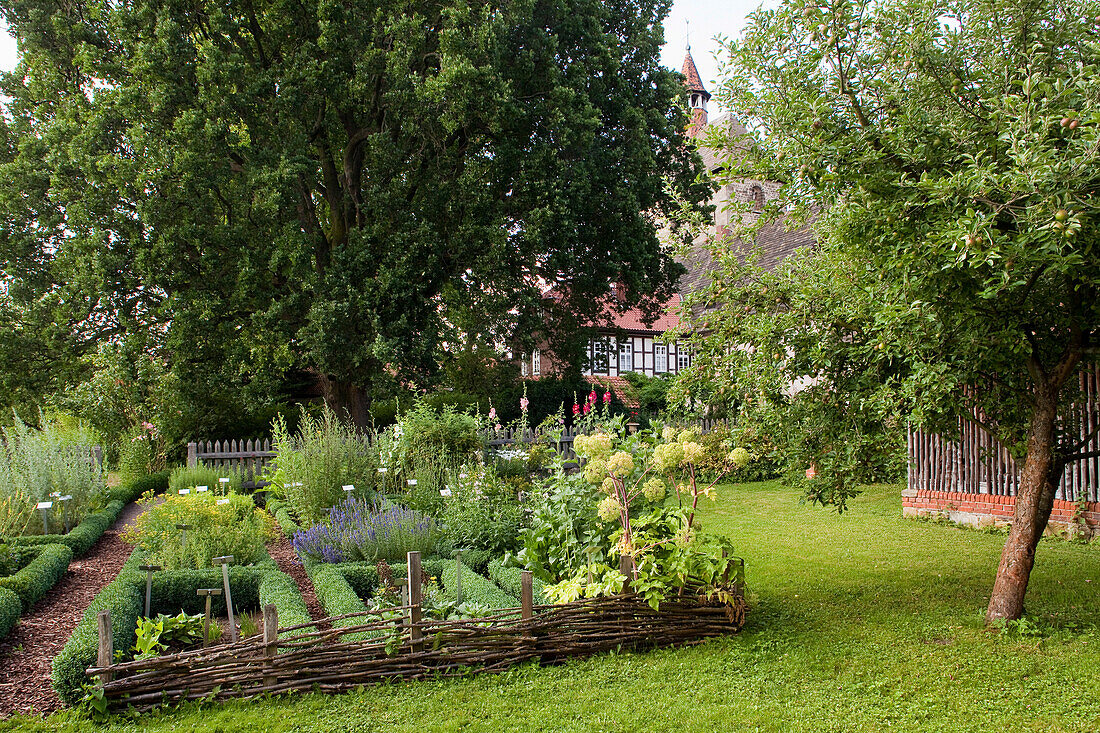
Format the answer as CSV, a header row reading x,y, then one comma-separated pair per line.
x,y
623,504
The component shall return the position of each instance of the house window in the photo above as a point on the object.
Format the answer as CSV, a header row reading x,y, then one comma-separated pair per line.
x,y
626,357
599,357
660,359
536,362
683,359
523,364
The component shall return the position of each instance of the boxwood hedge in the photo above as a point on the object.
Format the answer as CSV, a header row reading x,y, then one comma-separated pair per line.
x,y
510,580
253,586
39,575
81,538
475,587
10,608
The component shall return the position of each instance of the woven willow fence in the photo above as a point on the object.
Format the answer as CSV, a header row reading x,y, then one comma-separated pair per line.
x,y
341,659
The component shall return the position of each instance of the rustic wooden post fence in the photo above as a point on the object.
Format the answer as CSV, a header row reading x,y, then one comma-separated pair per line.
x,y
271,640
105,655
415,597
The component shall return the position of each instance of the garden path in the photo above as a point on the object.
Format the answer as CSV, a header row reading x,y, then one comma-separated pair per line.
x,y
282,552
28,651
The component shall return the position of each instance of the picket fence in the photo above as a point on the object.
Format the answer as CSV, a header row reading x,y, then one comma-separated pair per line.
x,y
977,463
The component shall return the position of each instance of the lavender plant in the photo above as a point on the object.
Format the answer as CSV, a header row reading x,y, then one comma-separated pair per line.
x,y
358,529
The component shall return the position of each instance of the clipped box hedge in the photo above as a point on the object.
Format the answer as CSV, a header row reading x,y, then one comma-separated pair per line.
x,y
475,588
124,598
253,586
510,581
10,608
39,575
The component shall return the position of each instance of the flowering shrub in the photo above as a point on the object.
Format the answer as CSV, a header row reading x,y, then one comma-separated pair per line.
x,y
235,527
629,479
361,530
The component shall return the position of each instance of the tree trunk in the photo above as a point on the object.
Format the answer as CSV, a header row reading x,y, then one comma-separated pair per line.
x,y
347,400
1034,501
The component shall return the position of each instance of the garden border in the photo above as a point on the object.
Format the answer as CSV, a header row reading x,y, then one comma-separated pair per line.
x,y
343,658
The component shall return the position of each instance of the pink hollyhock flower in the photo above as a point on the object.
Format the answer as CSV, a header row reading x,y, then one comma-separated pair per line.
x,y
587,407
500,427
148,426
523,402
592,397
492,413
607,397
576,409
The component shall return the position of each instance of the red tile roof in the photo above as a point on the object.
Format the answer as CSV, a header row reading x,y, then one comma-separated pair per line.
x,y
622,389
667,319
694,83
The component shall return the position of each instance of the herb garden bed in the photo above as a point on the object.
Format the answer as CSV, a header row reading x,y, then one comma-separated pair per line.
x,y
359,651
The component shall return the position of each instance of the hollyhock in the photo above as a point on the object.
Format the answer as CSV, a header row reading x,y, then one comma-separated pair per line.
x,y
523,402
576,409
607,397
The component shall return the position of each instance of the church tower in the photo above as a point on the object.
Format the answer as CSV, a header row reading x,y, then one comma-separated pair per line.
x,y
697,96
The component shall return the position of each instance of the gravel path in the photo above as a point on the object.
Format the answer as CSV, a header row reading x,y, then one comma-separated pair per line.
x,y
282,552
27,652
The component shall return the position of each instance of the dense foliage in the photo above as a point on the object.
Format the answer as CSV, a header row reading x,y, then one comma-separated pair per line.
x,y
45,464
217,527
191,477
949,153
278,191
358,529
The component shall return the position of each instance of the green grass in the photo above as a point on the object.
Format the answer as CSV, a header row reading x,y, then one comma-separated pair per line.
x,y
861,622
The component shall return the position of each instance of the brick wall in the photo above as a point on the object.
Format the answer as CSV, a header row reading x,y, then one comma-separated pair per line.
x,y
987,510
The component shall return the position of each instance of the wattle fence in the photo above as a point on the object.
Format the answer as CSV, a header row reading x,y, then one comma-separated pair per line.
x,y
977,463
341,657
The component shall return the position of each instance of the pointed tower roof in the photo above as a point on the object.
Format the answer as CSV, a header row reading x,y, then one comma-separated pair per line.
x,y
692,80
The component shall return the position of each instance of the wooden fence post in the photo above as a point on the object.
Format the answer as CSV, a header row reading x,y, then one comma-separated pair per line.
x,y
626,567
192,455
527,594
271,638
415,631
105,656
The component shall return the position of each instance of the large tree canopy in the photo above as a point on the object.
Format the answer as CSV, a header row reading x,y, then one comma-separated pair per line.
x,y
334,186
949,155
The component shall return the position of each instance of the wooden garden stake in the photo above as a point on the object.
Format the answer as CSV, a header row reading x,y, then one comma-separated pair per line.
x,y
224,562
149,570
415,597
626,567
183,538
271,637
209,593
527,594
105,656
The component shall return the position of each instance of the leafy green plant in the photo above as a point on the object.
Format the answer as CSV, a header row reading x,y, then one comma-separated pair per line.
x,y
483,512
248,625
154,636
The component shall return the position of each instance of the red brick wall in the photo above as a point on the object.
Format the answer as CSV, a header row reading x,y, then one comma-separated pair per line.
x,y
923,502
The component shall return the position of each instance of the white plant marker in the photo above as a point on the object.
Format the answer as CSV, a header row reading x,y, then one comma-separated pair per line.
x,y
201,489
412,482
222,501
223,483
444,492
185,492
44,507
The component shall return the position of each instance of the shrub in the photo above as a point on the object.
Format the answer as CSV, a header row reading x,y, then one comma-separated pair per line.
x,y
150,483
312,465
10,608
176,590
441,436
475,588
361,576
286,523
42,573
510,580
188,477
360,530
42,464
124,599
235,528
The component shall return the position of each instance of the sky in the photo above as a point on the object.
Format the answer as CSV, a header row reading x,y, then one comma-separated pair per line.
x,y
697,21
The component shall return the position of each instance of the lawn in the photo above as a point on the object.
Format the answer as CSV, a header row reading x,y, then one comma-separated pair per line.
x,y
861,622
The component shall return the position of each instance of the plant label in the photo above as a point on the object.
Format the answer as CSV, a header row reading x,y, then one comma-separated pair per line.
x,y
201,489
185,492
45,505
412,482
444,492
349,487
383,469
223,501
